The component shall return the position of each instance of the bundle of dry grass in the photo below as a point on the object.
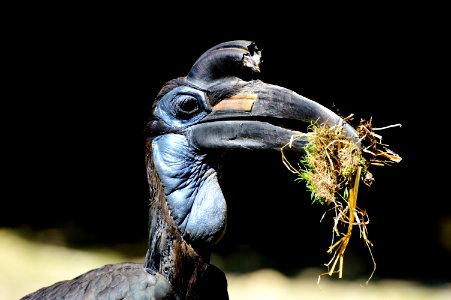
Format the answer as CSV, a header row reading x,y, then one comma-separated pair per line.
x,y
332,169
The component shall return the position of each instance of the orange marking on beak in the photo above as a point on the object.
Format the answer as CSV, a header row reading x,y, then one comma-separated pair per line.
x,y
241,102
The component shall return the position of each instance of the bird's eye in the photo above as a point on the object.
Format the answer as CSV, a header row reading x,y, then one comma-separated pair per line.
x,y
187,106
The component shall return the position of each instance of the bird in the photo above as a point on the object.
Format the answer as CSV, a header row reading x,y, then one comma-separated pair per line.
x,y
221,104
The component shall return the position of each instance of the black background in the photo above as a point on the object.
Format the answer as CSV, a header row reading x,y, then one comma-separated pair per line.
x,y
80,81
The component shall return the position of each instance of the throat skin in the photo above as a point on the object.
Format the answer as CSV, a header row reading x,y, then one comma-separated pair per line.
x,y
177,247
191,189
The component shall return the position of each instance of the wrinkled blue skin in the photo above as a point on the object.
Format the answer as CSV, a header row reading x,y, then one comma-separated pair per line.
x,y
191,187
193,195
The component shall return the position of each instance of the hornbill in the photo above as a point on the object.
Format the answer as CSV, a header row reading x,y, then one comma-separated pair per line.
x,y
219,105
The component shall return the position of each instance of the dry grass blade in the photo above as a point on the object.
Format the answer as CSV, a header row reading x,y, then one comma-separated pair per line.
x,y
332,169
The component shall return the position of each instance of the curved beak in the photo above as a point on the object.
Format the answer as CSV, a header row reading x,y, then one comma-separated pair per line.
x,y
262,116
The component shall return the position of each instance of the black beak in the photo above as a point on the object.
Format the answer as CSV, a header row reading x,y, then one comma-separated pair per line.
x,y
263,117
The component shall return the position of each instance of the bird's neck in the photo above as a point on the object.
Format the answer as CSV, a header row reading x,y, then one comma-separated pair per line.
x,y
185,268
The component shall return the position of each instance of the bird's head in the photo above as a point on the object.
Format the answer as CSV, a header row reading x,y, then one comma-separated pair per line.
x,y
218,105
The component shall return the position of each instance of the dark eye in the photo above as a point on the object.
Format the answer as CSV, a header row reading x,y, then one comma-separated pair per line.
x,y
187,106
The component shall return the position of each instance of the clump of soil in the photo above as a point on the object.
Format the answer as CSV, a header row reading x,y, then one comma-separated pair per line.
x,y
332,168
